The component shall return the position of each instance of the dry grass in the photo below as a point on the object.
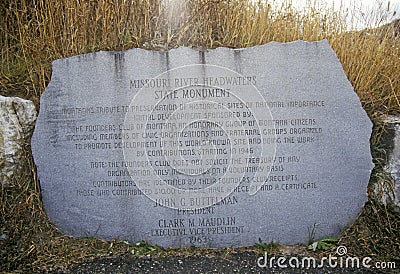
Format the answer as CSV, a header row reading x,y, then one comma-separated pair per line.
x,y
34,32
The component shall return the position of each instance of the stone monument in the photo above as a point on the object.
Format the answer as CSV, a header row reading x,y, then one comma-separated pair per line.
x,y
209,148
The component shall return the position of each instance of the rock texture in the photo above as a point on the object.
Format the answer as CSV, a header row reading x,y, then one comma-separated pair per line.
x,y
17,120
389,193
122,154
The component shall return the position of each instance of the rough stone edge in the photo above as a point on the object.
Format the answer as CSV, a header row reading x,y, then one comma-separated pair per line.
x,y
385,189
17,121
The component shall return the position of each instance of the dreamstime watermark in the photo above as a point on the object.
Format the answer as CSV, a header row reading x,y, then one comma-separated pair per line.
x,y
337,260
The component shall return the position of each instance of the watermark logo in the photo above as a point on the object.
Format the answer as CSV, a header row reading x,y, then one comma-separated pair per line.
x,y
341,250
195,133
338,260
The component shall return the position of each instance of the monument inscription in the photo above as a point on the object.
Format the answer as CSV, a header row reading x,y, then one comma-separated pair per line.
x,y
208,148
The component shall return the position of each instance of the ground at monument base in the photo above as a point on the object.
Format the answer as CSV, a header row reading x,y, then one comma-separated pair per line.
x,y
234,262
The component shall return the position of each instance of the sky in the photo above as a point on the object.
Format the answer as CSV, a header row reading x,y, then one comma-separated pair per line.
x,y
362,13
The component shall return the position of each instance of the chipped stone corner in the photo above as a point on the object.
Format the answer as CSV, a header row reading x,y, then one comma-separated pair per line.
x,y
17,120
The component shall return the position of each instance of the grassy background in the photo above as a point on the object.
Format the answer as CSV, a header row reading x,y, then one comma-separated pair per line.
x,y
35,32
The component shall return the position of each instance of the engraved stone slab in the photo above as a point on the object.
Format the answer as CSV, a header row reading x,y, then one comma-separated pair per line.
x,y
208,148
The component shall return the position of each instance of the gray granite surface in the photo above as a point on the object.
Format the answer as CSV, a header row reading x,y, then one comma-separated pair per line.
x,y
209,148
